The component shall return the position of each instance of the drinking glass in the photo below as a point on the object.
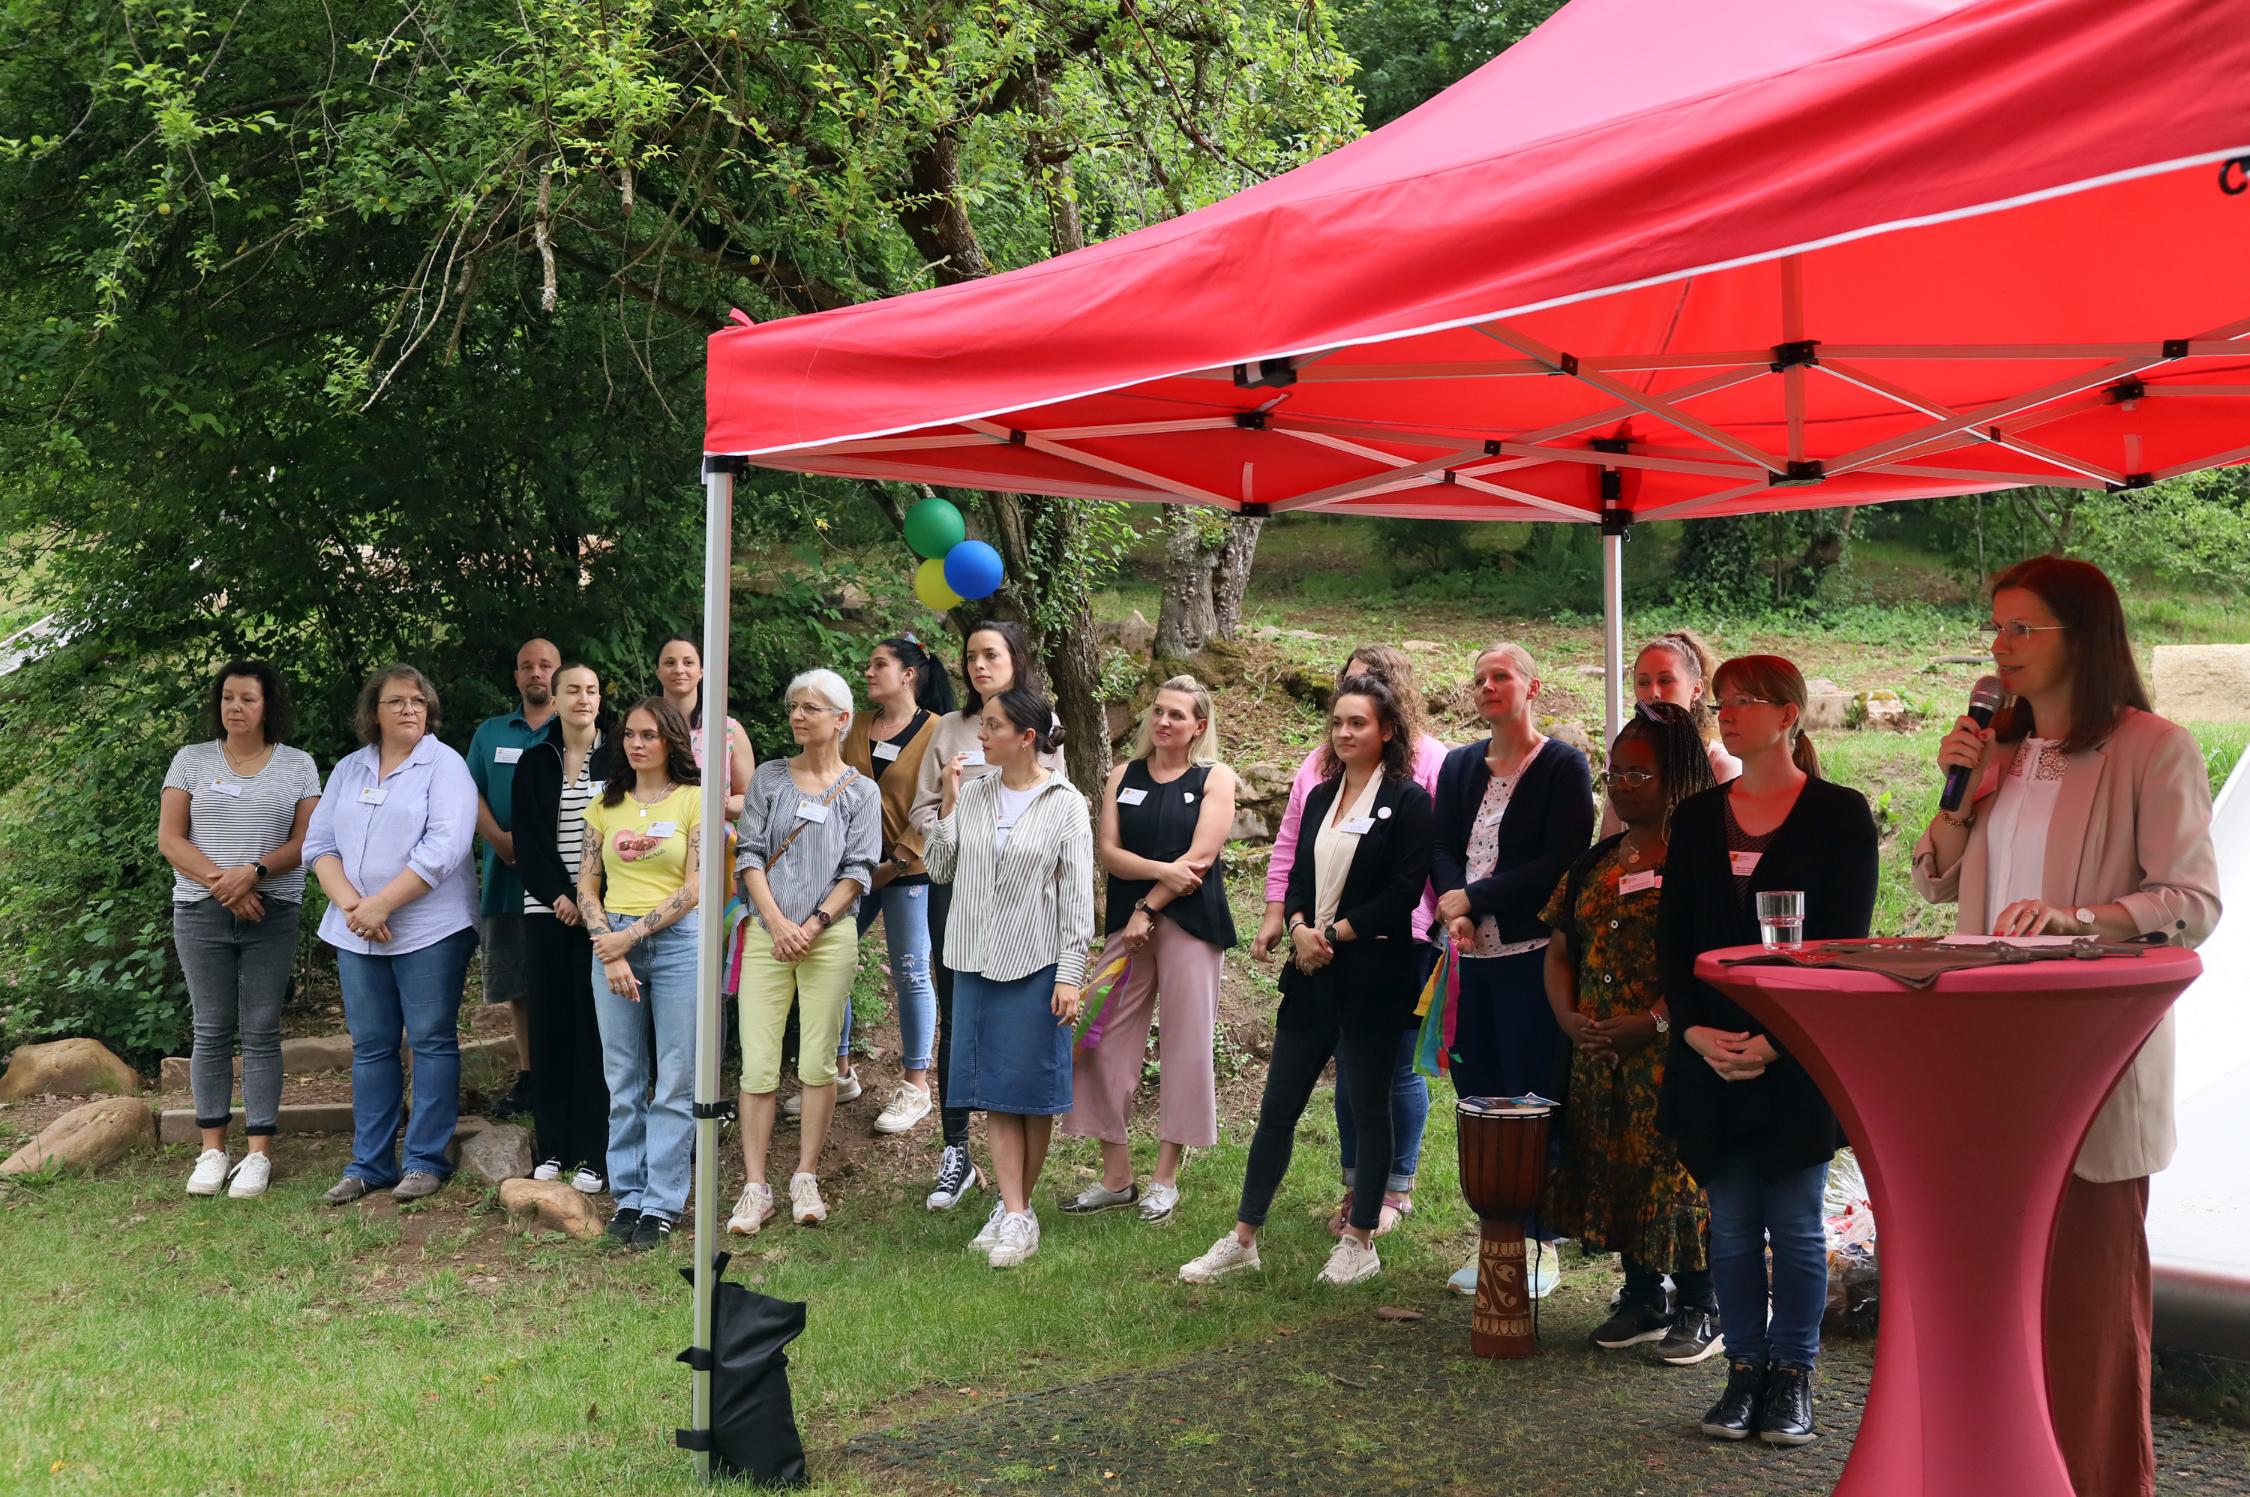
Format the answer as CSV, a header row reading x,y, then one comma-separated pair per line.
x,y
1781,918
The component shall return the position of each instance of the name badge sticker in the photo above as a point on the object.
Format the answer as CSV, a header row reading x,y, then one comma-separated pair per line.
x,y
1745,863
886,751
1356,826
596,787
1634,883
662,829
972,756
1491,818
507,755
226,788
811,811
373,795
1131,795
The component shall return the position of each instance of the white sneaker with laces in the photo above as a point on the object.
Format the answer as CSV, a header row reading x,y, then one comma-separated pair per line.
x,y
1351,1262
908,1106
587,1183
752,1209
1228,1255
210,1173
1018,1239
806,1208
549,1169
251,1176
1158,1202
848,1089
989,1233
1464,1278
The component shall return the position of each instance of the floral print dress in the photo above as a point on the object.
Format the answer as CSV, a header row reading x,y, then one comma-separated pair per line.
x,y
1620,1186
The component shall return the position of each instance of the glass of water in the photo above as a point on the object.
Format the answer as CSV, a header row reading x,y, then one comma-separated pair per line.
x,y
1781,918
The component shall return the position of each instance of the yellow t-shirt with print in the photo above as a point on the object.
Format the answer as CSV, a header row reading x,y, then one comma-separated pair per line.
x,y
644,848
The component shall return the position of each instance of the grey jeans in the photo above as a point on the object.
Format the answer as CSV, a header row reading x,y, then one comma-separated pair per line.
x,y
237,974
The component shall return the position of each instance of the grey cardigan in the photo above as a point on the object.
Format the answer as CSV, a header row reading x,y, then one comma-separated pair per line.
x,y
1028,905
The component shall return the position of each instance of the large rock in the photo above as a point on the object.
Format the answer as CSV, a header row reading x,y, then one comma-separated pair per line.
x,y
496,1152
1133,634
87,1138
1828,707
67,1068
1263,784
2203,683
553,1205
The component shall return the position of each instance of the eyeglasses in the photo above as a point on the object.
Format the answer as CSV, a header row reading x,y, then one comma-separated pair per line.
x,y
2017,629
404,704
1737,702
809,708
1629,779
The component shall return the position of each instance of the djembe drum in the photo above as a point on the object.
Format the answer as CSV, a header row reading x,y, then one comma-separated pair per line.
x,y
1503,1171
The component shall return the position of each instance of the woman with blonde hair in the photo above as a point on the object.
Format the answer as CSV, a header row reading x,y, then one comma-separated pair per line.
x,y
1677,667
1164,821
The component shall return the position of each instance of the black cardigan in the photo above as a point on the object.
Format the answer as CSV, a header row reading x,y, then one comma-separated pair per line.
x,y
1376,976
1548,823
538,806
1827,846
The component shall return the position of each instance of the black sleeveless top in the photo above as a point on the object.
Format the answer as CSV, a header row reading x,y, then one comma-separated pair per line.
x,y
1162,829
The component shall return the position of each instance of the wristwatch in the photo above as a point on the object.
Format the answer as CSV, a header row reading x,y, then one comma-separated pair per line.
x,y
1663,1023
1328,933
262,871
1142,906
824,918
2084,914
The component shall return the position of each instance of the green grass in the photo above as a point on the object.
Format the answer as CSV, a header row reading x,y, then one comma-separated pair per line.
x,y
159,1344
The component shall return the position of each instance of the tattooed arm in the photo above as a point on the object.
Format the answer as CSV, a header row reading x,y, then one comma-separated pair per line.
x,y
610,947
672,910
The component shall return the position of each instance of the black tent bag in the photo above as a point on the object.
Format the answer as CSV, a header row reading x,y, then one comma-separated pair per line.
x,y
753,1426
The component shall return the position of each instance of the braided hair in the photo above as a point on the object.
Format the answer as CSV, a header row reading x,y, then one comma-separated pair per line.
x,y
1681,762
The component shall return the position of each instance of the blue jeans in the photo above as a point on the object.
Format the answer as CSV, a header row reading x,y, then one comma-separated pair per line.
x,y
419,993
1410,1109
648,1059
906,930
1746,1213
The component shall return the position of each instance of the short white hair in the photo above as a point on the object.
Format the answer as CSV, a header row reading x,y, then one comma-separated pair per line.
x,y
826,685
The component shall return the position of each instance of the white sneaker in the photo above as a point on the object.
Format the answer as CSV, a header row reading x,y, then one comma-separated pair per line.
x,y
848,1089
908,1106
1351,1262
1228,1255
251,1176
806,1208
989,1233
1544,1276
1158,1202
752,1209
549,1169
210,1173
1099,1197
587,1183
1018,1239
1464,1279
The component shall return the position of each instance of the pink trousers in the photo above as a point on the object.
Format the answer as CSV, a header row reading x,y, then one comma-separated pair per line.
x,y
1103,1079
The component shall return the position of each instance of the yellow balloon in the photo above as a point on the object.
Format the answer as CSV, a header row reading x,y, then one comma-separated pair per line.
x,y
929,586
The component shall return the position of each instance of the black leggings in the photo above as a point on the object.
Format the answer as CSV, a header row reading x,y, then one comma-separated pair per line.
x,y
953,1121
1645,1285
1299,1056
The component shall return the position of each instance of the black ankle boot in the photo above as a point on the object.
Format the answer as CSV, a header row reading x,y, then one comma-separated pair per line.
x,y
1787,1417
1736,1415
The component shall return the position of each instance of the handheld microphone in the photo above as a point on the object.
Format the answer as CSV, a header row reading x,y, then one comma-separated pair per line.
x,y
1984,700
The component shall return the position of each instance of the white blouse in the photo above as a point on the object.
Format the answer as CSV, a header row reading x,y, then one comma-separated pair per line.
x,y
2020,814
1333,848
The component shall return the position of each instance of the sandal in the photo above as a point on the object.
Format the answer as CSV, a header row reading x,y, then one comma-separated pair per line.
x,y
1343,1216
1396,1208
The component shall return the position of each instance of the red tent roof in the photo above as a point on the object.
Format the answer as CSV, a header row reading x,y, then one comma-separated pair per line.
x,y
1682,258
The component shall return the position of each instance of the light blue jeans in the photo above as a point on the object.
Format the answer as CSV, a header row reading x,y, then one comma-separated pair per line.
x,y
906,930
418,994
648,1059
1748,1212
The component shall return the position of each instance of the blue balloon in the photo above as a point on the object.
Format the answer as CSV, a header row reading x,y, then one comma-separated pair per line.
x,y
972,569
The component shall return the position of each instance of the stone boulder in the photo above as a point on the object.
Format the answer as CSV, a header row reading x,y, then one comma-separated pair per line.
x,y
553,1206
1133,634
67,1068
1828,707
2202,683
1884,709
494,1152
87,1138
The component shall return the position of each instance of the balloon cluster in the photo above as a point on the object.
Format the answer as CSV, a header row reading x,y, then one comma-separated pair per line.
x,y
954,567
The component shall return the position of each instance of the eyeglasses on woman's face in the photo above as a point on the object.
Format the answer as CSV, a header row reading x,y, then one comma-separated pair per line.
x,y
2017,629
405,706
1627,779
808,709
1740,700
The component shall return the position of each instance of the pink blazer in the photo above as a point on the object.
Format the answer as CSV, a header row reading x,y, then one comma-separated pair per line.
x,y
2132,825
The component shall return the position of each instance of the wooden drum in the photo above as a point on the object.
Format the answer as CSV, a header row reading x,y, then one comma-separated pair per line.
x,y
1503,1172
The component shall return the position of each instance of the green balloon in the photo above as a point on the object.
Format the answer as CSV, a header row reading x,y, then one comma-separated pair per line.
x,y
934,527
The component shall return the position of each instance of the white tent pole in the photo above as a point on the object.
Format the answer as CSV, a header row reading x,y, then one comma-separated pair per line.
x,y
718,556
1613,632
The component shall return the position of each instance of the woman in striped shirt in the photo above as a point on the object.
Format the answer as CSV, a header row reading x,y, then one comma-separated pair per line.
x,y
1017,847
555,780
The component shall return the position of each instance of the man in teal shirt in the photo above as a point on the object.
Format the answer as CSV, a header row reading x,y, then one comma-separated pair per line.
x,y
493,751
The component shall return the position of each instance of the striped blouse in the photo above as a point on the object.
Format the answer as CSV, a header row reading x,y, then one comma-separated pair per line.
x,y
570,823
1021,907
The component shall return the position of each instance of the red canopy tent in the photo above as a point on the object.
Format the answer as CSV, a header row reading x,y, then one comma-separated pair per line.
x,y
1659,259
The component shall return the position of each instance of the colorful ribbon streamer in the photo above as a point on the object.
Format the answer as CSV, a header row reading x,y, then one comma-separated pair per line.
x,y
1439,1009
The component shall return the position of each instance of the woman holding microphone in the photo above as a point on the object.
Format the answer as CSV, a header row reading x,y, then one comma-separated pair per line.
x,y
2087,815
1017,848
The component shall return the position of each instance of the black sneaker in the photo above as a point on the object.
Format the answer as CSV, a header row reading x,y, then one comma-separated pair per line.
x,y
1631,1323
1787,1417
1736,1413
622,1224
956,1177
518,1100
1693,1337
654,1230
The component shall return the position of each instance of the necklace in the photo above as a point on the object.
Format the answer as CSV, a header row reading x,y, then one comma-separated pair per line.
x,y
264,753
645,802
1633,855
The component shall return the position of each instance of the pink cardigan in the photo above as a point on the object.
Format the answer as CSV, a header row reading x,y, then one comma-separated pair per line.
x,y
1428,755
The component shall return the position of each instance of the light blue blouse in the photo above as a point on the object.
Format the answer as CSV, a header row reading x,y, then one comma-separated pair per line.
x,y
422,817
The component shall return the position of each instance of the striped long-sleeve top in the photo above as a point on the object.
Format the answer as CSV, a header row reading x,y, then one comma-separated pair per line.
x,y
1022,906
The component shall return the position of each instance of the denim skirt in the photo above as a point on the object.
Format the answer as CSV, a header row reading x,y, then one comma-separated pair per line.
x,y
1008,1053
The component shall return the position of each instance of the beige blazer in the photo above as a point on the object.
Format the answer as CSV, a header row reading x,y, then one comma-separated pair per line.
x,y
2132,826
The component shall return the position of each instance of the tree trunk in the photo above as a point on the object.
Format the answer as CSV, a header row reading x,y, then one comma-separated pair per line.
x,y
1066,644
1185,619
1231,577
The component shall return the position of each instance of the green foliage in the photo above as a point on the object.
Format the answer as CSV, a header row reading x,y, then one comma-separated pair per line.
x,y
1409,50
